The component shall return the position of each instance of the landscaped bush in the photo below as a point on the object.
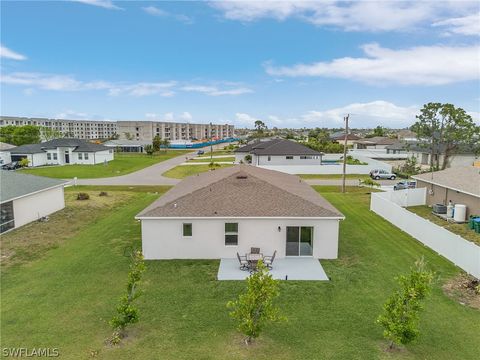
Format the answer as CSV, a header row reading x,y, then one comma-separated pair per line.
x,y
370,182
352,161
83,196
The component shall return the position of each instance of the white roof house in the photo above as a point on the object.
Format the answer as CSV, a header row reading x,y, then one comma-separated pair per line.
x,y
62,152
25,198
5,157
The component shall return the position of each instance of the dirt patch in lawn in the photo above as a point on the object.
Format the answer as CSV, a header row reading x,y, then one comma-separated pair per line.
x,y
34,240
462,289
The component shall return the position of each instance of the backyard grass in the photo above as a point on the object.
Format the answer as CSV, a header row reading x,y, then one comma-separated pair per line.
x,y
334,176
65,297
460,229
182,171
121,165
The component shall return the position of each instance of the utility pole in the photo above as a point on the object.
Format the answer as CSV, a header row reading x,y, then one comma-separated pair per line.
x,y
211,145
345,153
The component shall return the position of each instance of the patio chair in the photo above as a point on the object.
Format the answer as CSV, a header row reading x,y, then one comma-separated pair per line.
x,y
268,260
254,250
243,262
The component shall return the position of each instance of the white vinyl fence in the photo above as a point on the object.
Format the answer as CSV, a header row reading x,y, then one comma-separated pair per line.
x,y
461,252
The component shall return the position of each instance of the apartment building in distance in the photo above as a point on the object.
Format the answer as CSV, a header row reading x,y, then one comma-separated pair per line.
x,y
147,130
78,129
132,130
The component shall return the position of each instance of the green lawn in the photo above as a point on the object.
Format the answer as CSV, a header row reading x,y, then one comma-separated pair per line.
x,y
207,160
182,171
121,165
65,296
333,176
459,229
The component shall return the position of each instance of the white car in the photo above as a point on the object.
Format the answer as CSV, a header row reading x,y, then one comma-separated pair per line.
x,y
382,174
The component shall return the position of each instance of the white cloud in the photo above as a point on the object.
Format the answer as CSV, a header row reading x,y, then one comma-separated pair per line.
x,y
215,91
155,11
348,16
10,54
106,4
422,65
170,116
71,114
466,25
70,83
245,120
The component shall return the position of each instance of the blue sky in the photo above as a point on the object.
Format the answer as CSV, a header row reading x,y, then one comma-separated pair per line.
x,y
290,64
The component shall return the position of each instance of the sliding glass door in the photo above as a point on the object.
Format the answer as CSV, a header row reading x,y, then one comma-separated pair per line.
x,y
299,241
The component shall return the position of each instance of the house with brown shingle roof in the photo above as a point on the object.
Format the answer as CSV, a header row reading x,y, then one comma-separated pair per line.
x,y
461,185
278,152
220,213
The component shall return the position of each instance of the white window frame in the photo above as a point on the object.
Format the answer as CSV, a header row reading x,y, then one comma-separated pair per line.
x,y
80,156
230,233
183,230
55,157
49,156
85,156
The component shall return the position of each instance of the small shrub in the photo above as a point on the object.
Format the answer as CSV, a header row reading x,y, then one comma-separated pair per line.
x,y
83,196
213,165
103,193
24,162
248,158
370,182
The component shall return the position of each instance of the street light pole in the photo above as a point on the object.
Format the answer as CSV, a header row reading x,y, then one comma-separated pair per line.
x,y
345,153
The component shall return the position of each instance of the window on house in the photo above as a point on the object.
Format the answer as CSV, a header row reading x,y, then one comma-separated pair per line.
x,y
289,157
304,157
269,158
231,234
80,156
187,229
7,221
85,156
55,157
49,156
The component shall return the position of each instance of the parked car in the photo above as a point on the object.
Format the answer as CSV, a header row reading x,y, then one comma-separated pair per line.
x,y
200,152
405,184
11,166
382,174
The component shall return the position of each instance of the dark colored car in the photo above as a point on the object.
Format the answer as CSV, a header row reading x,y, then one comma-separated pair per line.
x,y
405,184
200,152
11,166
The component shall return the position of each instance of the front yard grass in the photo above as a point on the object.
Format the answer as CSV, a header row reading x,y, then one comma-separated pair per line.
x,y
182,171
65,296
123,163
334,176
460,229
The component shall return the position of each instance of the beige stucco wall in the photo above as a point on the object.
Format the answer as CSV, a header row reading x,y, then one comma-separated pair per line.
x,y
162,239
437,194
34,206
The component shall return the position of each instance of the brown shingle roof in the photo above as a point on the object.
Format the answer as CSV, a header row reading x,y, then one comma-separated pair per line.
x,y
464,179
241,191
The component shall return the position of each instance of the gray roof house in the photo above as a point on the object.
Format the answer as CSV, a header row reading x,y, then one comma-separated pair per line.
x,y
25,198
5,157
278,152
62,151
220,213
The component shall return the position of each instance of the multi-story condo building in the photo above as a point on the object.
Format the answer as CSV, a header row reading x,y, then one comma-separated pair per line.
x,y
133,130
147,130
79,129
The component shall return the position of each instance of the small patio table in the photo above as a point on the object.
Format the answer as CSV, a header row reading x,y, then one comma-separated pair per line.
x,y
253,261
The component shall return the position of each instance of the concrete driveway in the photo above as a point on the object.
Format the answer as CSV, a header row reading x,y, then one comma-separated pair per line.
x,y
151,175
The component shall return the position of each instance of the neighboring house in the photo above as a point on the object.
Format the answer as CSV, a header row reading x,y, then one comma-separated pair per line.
x,y
461,185
26,198
219,213
464,156
406,135
278,152
127,145
62,152
340,138
376,142
5,157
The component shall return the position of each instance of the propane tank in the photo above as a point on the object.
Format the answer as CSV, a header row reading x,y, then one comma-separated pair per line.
x,y
450,208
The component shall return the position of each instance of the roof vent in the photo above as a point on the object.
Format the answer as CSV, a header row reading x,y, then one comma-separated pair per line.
x,y
242,177
175,205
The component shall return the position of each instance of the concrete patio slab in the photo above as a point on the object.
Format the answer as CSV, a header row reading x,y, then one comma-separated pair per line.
x,y
301,268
